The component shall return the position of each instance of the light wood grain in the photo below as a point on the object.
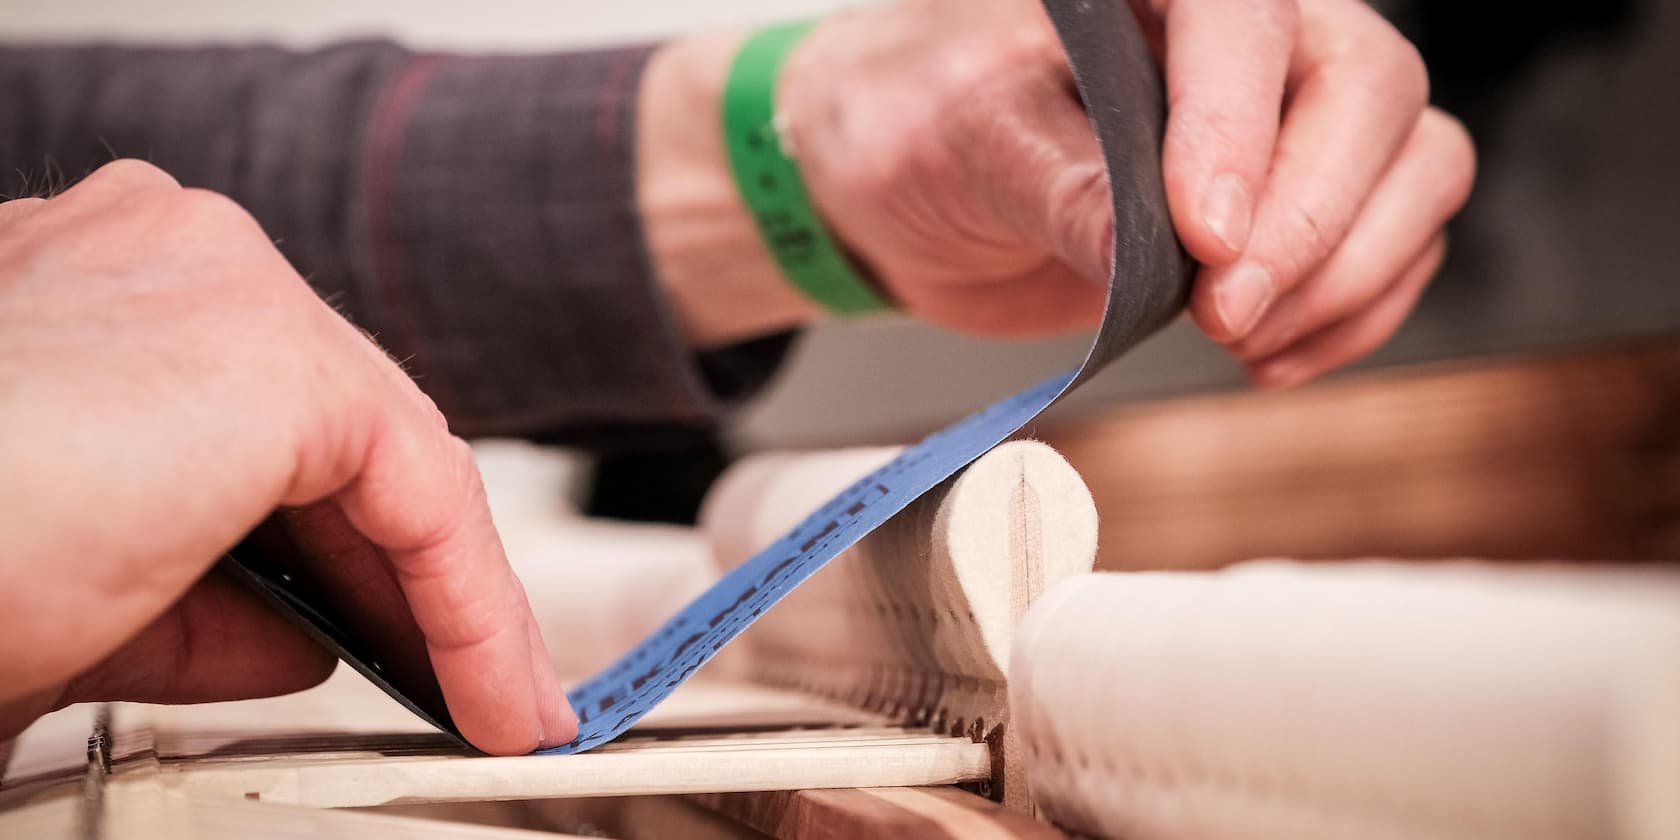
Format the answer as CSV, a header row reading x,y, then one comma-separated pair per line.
x,y
344,744
52,816
143,811
638,818
837,759
927,604
878,812
1368,701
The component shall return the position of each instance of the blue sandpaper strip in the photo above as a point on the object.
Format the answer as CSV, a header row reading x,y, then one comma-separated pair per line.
x,y
608,703
1122,94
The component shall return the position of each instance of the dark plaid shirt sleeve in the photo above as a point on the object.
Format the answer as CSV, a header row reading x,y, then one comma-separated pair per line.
x,y
474,213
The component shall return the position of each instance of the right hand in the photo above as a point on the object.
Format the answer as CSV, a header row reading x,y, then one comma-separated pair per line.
x,y
167,381
944,143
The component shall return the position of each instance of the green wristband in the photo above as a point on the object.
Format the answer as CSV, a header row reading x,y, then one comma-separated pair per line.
x,y
770,184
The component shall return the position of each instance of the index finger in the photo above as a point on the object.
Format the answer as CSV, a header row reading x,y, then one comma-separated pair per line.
x,y
409,487
19,209
421,499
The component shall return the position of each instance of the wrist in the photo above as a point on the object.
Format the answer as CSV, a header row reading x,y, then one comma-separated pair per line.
x,y
705,246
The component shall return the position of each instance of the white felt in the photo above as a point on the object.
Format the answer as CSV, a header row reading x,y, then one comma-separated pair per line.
x,y
1364,701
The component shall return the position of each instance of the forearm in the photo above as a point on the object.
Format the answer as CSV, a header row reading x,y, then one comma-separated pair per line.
x,y
709,255
477,214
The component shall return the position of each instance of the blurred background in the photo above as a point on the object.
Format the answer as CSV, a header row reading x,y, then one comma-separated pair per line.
x,y
1572,235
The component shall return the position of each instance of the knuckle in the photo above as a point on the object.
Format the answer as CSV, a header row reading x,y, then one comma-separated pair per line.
x,y
206,206
1277,16
962,70
21,204
879,155
131,174
919,153
1370,53
1039,42
1397,68
1077,196
889,164
1212,118
13,215
1313,228
461,469
876,172
1411,75
439,423
1286,13
435,517
202,214
1079,188
1456,152
1084,238
1207,127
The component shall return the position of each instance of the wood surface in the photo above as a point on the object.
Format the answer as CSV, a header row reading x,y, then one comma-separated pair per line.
x,y
917,620
345,744
921,812
140,811
637,818
767,761
1571,455
1364,701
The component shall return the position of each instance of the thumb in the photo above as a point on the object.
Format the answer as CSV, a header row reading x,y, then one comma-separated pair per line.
x,y
411,498
1057,192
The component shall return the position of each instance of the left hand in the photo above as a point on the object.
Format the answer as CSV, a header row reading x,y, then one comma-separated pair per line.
x,y
943,142
166,381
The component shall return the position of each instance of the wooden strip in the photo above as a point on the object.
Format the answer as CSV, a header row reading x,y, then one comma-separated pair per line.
x,y
140,811
653,769
796,737
963,815
1277,701
228,747
634,818
877,812
928,602
51,817
837,814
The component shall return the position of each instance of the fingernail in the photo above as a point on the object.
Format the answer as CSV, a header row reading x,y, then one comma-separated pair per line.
x,y
568,729
1227,211
1242,297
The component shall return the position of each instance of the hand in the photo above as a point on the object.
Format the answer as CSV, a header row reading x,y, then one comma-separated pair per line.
x,y
166,381
942,140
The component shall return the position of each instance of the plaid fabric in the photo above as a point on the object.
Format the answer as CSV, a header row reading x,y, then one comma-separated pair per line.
x,y
476,214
